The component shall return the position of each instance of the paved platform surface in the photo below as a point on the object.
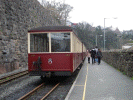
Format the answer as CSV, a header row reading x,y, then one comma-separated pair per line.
x,y
100,82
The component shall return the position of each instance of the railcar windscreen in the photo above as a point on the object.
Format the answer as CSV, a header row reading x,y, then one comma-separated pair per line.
x,y
39,42
60,42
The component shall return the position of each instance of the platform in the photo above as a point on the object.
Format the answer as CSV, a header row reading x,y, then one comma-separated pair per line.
x,y
100,82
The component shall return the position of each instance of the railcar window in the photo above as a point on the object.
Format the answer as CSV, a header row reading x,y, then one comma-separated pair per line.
x,y
60,42
39,42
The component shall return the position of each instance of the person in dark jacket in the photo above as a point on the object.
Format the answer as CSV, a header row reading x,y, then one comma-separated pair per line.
x,y
99,56
93,54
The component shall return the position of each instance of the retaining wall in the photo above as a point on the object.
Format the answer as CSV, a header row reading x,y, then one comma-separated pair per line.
x,y
16,18
122,60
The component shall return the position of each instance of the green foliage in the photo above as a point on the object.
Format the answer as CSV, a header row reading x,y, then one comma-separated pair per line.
x,y
124,73
130,41
118,70
7,78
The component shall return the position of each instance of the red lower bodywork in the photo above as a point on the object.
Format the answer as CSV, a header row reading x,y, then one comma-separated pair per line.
x,y
55,62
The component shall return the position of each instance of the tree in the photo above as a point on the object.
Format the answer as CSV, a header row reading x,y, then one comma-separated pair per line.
x,y
112,41
59,11
87,35
99,33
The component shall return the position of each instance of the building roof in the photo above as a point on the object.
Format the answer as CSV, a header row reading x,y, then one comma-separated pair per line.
x,y
117,31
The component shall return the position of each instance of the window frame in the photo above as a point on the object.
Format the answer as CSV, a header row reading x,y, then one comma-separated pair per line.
x,y
49,34
69,41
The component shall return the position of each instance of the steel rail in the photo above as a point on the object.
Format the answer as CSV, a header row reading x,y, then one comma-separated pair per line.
x,y
34,90
49,92
12,76
31,92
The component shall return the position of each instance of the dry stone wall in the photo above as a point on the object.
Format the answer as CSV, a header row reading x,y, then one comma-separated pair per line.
x,y
16,18
121,60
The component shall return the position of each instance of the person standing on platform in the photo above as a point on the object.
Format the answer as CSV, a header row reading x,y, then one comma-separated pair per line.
x,y
99,56
93,54
88,55
96,49
96,59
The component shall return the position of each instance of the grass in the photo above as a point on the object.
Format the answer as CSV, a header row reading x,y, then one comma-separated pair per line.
x,y
118,70
7,78
124,73
130,41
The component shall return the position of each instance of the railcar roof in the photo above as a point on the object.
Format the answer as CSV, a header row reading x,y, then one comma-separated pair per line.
x,y
51,28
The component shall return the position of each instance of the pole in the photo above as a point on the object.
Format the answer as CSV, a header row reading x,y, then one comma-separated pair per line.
x,y
104,31
96,40
104,34
65,14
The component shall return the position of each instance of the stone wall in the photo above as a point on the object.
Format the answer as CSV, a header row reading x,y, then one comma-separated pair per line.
x,y
16,18
121,60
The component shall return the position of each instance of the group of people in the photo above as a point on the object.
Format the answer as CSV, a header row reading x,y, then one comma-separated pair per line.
x,y
94,53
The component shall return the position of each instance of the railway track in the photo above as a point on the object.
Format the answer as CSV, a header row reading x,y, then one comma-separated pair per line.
x,y
28,95
12,76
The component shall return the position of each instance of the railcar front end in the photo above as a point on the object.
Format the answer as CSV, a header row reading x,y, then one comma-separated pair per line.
x,y
52,51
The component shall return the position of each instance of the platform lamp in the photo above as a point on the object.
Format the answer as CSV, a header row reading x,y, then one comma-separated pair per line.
x,y
96,38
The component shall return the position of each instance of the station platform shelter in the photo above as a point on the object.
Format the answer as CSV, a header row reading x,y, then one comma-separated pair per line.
x,y
100,82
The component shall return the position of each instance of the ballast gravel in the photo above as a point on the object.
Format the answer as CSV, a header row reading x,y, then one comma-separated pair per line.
x,y
17,88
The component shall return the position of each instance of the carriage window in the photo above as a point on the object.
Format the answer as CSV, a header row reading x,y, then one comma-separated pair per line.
x,y
39,42
60,42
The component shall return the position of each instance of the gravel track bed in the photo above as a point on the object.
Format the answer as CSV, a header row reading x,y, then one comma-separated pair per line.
x,y
40,93
17,88
61,92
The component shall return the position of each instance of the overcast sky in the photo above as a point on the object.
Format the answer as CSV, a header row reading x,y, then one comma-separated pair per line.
x,y
94,12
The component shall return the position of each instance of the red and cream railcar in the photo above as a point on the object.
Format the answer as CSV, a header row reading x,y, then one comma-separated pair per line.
x,y
54,50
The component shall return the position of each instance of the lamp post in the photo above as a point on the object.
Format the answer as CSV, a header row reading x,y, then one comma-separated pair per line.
x,y
104,34
104,31
96,38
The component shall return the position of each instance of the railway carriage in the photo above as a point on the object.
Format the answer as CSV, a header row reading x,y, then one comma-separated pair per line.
x,y
54,51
